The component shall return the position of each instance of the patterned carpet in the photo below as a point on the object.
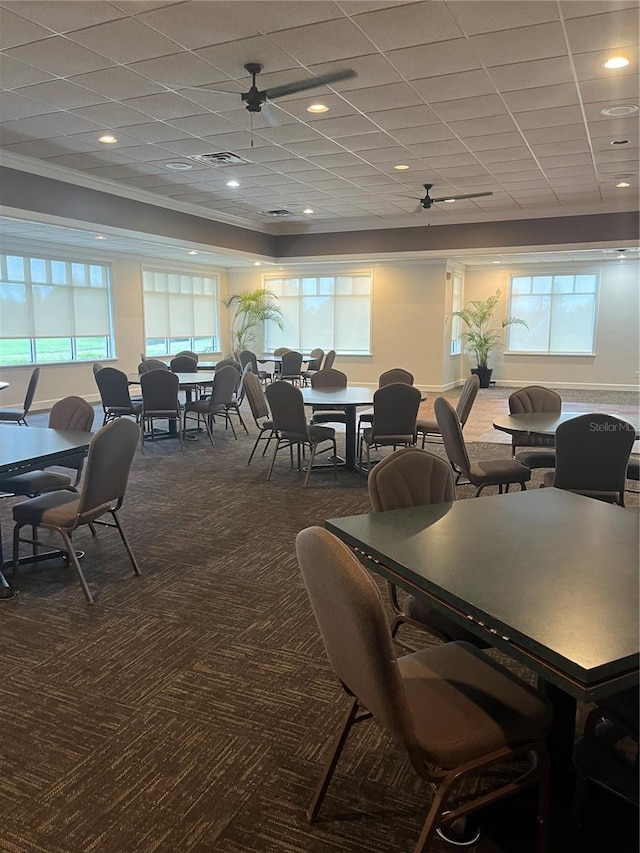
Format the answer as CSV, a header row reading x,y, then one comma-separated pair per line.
x,y
189,709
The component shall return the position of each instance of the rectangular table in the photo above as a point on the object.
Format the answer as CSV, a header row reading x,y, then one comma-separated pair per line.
x,y
549,577
25,449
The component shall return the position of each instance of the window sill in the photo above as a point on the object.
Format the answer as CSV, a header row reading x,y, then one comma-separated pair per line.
x,y
553,354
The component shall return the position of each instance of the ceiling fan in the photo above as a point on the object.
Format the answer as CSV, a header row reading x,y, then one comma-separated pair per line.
x,y
427,201
255,98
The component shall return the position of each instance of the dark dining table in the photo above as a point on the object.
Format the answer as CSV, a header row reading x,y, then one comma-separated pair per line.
x,y
546,423
546,576
25,449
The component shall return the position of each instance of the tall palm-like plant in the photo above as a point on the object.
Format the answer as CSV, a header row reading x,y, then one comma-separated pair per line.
x,y
252,307
479,339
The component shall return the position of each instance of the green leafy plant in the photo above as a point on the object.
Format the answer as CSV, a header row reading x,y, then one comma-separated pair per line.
x,y
479,339
252,307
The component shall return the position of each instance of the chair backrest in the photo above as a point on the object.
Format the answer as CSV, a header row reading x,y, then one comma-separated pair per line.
x,y
451,432
96,366
396,374
247,357
315,359
183,364
410,477
143,357
329,379
224,386
247,368
72,413
280,350
592,453
114,388
228,362
159,391
534,398
291,363
287,408
150,364
31,389
329,358
355,630
189,353
255,395
467,398
395,409
108,464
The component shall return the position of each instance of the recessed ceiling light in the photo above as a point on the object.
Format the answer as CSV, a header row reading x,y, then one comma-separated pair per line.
x,y
623,184
619,142
401,167
307,210
192,252
257,264
233,183
616,62
178,167
317,108
107,138
622,110
100,237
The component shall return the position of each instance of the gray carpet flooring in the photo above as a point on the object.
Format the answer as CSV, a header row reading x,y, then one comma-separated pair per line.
x,y
189,709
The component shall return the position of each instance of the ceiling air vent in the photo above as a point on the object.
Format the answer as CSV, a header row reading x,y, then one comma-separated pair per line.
x,y
220,158
281,212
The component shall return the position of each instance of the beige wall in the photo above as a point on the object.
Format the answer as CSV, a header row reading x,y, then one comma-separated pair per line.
x,y
616,360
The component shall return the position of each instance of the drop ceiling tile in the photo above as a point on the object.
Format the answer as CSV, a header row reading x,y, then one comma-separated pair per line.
x,y
420,135
59,56
590,65
286,14
411,117
564,160
511,181
450,87
459,172
204,24
584,8
14,30
45,148
571,146
110,114
366,141
146,153
285,167
313,148
386,155
208,124
625,153
604,143
613,128
521,166
94,160
335,128
14,74
404,26
62,94
483,126
620,88
598,32
549,118
494,155
330,161
178,69
298,107
371,70
593,110
152,131
14,106
164,106
232,57
323,42
563,95
120,40
621,170
577,170
66,15
434,60
533,74
560,133
450,161
493,141
117,83
470,108
519,45
491,15
91,137
264,154
289,133
393,96
55,124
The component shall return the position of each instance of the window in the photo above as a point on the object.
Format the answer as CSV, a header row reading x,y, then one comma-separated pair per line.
x,y
54,310
560,311
456,305
180,312
330,312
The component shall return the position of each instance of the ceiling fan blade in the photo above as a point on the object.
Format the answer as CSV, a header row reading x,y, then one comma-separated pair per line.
x,y
457,197
268,114
309,83
206,89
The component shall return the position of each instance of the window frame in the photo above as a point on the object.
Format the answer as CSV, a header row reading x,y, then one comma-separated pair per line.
x,y
74,340
456,305
315,274
553,273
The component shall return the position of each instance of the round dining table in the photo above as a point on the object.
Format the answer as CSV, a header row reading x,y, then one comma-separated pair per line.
x,y
546,423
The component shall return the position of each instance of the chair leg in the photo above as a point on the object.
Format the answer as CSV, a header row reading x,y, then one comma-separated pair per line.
x,y
310,465
255,447
73,559
273,460
125,542
330,766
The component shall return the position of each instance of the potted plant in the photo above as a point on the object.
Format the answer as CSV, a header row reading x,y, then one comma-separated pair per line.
x,y
479,339
252,307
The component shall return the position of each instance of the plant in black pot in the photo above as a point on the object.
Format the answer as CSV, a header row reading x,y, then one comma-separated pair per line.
x,y
479,339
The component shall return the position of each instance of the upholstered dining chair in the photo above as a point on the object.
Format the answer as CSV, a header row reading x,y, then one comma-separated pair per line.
x,y
395,374
592,456
291,427
96,366
247,357
234,407
260,411
109,461
429,426
71,413
190,354
531,400
113,386
221,397
330,378
451,708
484,472
291,366
159,402
329,358
395,408
183,364
19,416
150,364
313,365
413,477
277,368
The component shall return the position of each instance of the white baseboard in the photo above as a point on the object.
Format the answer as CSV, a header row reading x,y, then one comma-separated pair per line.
x,y
576,386
47,405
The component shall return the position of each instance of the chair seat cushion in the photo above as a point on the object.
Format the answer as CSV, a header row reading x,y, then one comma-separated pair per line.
x,y
464,705
537,458
329,417
11,415
316,434
386,439
420,611
427,425
135,409
34,482
55,509
523,439
492,472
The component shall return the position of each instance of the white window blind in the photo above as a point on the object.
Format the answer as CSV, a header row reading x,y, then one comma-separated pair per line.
x,y
54,310
560,311
330,312
456,305
180,311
